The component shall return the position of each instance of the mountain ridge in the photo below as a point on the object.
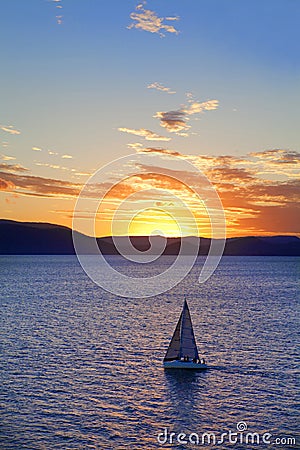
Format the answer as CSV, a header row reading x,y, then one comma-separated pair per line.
x,y
38,238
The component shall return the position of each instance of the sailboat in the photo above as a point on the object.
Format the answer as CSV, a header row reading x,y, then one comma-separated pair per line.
x,y
182,352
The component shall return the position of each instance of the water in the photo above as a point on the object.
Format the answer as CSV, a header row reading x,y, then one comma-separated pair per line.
x,y
82,369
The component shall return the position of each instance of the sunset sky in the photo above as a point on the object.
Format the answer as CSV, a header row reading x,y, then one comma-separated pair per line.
x,y
215,83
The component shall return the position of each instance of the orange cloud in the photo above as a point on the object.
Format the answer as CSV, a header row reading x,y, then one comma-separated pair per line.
x,y
247,198
13,167
155,150
253,204
39,186
6,185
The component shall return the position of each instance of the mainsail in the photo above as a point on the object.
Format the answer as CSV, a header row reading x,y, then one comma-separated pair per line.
x,y
183,343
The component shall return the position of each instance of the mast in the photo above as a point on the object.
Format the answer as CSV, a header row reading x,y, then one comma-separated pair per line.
x,y
188,346
183,342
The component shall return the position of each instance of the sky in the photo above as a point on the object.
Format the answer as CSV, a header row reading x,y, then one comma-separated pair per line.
x,y
213,83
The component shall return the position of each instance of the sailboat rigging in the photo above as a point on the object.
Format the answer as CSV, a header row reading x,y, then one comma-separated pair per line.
x,y
182,352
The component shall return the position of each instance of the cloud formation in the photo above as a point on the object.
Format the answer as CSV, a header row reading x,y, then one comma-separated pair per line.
x,y
259,191
198,107
135,145
36,149
38,186
13,167
67,157
6,185
58,5
160,87
50,152
147,20
158,150
8,158
146,134
9,129
254,203
278,156
176,121
59,19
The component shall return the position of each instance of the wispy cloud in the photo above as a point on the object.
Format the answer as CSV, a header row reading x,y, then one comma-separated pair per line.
x,y
39,186
147,20
160,87
158,150
198,107
135,145
82,174
139,148
73,171
267,166
13,167
278,156
59,19
50,152
146,134
253,204
52,166
173,121
275,163
176,121
231,174
9,129
59,6
8,158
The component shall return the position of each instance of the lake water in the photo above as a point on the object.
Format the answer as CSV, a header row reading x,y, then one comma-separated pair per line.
x,y
82,369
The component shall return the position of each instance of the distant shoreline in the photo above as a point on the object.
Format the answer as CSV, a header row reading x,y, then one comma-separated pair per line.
x,y
31,238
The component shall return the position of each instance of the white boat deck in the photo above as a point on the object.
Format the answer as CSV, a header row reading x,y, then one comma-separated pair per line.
x,y
184,365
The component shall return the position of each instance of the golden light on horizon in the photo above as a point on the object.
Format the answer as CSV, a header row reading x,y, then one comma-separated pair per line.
x,y
154,222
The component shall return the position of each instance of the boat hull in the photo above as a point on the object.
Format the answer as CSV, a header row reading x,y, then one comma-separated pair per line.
x,y
184,365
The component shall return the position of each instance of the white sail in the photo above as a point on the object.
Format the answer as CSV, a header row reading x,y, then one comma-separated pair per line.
x,y
188,345
183,343
173,351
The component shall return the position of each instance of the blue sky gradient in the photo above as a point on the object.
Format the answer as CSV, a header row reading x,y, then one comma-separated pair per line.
x,y
69,87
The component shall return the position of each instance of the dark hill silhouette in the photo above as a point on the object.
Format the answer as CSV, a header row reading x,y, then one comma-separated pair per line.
x,y
32,238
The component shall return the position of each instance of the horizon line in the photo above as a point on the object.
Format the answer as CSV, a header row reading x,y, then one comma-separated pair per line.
x,y
152,235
